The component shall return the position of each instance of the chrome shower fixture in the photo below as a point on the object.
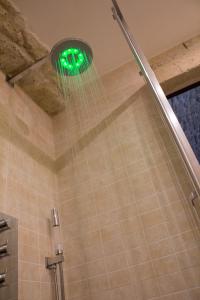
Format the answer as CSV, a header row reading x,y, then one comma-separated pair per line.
x,y
55,217
71,57
55,263
3,224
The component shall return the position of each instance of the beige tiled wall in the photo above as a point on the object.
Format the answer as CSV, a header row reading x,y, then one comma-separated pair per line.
x,y
128,230
27,185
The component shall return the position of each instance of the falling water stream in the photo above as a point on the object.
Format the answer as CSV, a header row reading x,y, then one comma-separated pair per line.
x,y
81,89
80,80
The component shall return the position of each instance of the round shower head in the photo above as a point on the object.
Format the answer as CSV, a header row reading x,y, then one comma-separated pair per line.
x,y
71,57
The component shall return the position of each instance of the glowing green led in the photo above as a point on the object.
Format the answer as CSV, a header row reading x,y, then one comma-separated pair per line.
x,y
72,59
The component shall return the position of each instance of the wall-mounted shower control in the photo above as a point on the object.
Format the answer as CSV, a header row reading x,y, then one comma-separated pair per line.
x,y
4,249
3,225
8,257
3,278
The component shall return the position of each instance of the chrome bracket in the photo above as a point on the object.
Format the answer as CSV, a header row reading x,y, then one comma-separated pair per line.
x,y
51,262
192,198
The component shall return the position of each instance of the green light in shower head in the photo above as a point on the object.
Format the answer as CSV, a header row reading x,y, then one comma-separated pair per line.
x,y
71,57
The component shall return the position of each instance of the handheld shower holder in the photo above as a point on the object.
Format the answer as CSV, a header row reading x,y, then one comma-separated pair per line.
x,y
51,262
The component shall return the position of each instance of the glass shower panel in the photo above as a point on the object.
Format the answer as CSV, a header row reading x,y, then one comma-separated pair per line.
x,y
127,224
128,227
169,117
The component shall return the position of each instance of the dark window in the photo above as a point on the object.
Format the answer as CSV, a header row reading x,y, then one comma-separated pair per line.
x,y
186,106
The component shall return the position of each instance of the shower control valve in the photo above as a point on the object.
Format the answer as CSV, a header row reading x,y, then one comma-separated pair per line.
x,y
4,249
3,277
3,225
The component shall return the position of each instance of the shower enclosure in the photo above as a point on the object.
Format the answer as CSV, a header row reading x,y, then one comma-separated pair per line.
x,y
129,191
117,166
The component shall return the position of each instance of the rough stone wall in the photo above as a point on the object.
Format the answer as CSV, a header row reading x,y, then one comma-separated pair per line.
x,y
179,66
20,48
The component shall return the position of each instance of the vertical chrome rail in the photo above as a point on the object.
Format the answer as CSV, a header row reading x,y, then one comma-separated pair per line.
x,y
188,156
55,263
57,297
61,276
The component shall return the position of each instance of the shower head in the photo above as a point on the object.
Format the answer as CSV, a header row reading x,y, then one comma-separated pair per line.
x,y
71,57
